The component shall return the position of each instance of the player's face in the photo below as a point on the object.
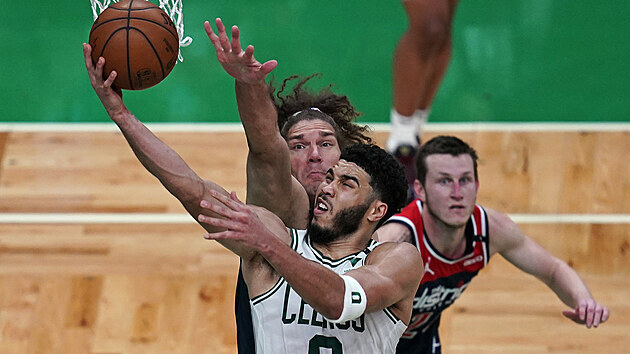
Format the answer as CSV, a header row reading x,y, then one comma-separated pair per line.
x,y
342,201
313,149
450,189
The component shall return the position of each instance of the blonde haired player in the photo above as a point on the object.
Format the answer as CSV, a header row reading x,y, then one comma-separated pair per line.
x,y
456,238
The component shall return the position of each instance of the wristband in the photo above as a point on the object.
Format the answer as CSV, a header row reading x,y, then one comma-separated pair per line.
x,y
354,300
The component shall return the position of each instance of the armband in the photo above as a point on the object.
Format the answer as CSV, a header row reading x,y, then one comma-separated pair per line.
x,y
354,300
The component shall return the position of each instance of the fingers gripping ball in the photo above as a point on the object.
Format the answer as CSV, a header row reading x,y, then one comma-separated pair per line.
x,y
138,40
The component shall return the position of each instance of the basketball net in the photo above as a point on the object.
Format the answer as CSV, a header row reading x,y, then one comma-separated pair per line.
x,y
173,9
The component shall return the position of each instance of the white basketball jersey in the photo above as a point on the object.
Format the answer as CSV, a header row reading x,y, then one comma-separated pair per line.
x,y
284,323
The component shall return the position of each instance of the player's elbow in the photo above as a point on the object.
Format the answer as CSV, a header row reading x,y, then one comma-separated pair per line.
x,y
557,271
333,314
189,192
331,307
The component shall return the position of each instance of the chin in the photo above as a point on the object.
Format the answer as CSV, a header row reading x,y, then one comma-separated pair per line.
x,y
323,221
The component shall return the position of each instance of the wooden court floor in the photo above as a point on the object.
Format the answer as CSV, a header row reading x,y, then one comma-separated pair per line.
x,y
96,257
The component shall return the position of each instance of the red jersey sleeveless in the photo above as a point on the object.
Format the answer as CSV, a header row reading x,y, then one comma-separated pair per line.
x,y
444,279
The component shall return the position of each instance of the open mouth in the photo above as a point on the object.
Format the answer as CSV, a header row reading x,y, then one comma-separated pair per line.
x,y
321,206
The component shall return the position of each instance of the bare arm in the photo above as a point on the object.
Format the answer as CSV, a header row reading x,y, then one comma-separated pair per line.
x,y
157,157
508,240
390,277
268,158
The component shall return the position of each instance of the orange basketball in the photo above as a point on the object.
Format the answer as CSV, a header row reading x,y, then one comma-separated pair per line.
x,y
138,40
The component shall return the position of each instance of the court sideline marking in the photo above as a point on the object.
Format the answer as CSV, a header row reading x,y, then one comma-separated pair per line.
x,y
377,127
172,218
139,218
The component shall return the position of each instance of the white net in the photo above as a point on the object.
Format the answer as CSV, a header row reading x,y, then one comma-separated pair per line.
x,y
173,8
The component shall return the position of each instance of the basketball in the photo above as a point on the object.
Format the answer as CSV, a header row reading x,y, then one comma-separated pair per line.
x,y
138,40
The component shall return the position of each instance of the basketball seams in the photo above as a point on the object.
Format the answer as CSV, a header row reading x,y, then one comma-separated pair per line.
x,y
132,10
159,24
174,34
127,47
129,27
151,5
109,38
157,55
147,27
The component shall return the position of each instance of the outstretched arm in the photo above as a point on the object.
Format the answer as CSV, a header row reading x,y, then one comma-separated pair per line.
x,y
256,109
268,164
508,240
157,157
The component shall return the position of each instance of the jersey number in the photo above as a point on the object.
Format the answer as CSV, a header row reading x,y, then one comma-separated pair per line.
x,y
318,342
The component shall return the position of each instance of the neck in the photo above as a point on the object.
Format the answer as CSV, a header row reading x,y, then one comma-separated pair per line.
x,y
345,245
449,240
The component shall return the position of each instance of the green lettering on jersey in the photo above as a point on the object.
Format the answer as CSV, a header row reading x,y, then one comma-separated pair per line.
x,y
285,307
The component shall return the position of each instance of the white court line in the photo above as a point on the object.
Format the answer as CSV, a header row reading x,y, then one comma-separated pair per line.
x,y
518,127
571,218
34,218
378,127
156,218
94,218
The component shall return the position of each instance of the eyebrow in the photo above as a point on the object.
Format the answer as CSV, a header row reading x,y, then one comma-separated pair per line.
x,y
324,134
296,137
345,177
351,178
446,174
327,133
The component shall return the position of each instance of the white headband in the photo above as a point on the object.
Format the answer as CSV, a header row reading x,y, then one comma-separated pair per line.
x,y
304,110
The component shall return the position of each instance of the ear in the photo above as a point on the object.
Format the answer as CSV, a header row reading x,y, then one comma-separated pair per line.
x,y
419,190
377,211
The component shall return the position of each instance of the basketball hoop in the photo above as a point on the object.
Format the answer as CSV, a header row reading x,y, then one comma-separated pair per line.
x,y
174,9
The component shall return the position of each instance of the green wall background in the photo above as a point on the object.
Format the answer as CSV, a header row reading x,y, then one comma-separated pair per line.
x,y
513,60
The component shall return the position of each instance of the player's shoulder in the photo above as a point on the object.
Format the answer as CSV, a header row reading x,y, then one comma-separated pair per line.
x,y
401,250
498,221
400,260
414,207
504,232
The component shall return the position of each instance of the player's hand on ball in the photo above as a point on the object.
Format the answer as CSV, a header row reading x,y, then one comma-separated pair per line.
x,y
110,96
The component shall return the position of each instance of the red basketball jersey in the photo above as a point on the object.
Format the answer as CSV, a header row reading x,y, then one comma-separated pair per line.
x,y
444,279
